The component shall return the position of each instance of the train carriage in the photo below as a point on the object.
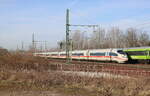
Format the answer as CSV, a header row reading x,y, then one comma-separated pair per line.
x,y
80,54
115,55
99,55
62,55
138,54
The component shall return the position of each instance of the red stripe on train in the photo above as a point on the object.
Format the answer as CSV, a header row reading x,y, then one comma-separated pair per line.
x,y
98,57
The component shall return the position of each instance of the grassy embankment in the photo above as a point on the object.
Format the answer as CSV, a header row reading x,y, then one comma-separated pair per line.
x,y
26,73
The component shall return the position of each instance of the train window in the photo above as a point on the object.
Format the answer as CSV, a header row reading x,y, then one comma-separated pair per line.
x,y
53,54
97,54
121,52
47,54
62,54
136,53
77,54
39,55
113,54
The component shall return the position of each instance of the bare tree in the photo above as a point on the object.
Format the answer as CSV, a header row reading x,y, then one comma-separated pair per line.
x,y
98,38
143,39
132,37
77,39
110,38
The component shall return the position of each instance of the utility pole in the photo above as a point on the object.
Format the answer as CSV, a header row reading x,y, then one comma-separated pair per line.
x,y
22,45
45,46
67,38
33,43
17,48
68,43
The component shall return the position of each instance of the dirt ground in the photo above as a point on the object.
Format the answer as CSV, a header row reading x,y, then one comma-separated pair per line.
x,y
29,93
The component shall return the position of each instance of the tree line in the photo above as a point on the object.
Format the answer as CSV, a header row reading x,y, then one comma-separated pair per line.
x,y
108,38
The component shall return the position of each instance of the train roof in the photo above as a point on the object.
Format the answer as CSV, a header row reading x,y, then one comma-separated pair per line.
x,y
78,51
144,47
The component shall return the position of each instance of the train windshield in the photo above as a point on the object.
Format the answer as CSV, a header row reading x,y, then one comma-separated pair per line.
x,y
121,52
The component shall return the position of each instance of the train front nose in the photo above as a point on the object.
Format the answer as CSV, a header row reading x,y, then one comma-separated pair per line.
x,y
125,57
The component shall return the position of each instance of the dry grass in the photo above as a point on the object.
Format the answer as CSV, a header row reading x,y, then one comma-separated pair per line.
x,y
19,62
73,84
22,73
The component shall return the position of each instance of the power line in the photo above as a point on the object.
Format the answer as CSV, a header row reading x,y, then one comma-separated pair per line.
x,y
68,25
35,42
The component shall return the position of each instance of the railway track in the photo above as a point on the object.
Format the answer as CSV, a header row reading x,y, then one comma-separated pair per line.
x,y
135,70
137,66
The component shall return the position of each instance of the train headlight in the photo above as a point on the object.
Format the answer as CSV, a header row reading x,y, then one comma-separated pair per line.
x,y
125,56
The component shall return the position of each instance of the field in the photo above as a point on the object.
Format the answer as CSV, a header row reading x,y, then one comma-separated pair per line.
x,y
24,75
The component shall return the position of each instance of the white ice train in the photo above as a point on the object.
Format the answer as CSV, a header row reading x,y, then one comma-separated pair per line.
x,y
116,55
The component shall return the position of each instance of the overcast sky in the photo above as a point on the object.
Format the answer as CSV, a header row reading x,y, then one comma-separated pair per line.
x,y
46,18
